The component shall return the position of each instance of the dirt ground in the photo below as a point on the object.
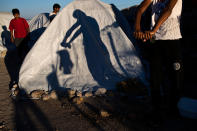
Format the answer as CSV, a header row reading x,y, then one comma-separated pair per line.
x,y
126,113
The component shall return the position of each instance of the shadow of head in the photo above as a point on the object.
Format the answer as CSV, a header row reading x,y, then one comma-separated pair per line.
x,y
4,28
78,13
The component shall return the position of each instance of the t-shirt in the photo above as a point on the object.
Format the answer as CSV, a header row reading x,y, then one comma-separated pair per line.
x,y
170,29
19,26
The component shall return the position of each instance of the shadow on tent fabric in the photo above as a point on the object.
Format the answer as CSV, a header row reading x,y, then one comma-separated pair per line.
x,y
65,62
97,55
35,35
54,82
115,54
123,23
28,116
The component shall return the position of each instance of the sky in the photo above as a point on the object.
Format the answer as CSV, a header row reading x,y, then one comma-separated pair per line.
x,y
30,8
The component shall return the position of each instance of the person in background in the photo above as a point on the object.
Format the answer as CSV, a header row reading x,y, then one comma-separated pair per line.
x,y
165,49
19,30
56,9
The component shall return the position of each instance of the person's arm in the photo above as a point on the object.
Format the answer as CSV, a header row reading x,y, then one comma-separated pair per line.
x,y
141,9
11,31
68,33
28,30
164,16
12,36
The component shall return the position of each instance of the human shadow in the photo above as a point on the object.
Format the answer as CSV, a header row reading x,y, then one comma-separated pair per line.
x,y
122,22
28,116
66,65
10,59
97,55
65,61
5,36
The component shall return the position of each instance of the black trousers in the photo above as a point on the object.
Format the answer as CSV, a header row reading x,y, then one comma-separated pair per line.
x,y
22,48
166,72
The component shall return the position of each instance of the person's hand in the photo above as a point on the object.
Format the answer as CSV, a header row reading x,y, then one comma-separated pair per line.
x,y
12,40
138,35
149,35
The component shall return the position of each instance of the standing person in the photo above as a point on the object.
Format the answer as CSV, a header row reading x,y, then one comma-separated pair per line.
x,y
19,30
56,9
165,49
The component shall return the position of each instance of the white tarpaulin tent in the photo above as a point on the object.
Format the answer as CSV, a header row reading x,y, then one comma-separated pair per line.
x,y
5,19
37,26
83,48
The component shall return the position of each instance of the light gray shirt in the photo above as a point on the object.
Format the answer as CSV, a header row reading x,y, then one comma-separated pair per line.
x,y
170,29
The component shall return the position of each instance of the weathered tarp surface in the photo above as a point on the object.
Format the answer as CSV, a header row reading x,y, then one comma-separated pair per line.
x,y
37,26
83,48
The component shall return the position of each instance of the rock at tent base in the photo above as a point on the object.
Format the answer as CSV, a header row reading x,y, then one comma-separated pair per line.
x,y
37,93
3,54
53,95
104,113
71,93
77,100
79,93
100,91
88,94
45,97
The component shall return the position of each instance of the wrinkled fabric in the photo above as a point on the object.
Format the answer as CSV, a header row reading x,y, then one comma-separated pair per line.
x,y
170,29
38,25
83,48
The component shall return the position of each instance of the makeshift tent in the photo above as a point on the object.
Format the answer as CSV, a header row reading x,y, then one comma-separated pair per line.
x,y
37,26
83,48
5,43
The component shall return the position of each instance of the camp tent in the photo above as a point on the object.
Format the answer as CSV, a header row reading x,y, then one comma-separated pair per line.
x,y
37,26
85,47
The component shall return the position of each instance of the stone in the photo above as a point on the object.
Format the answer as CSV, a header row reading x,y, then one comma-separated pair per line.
x,y
77,100
79,93
100,91
37,93
104,113
53,95
88,94
71,93
45,97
